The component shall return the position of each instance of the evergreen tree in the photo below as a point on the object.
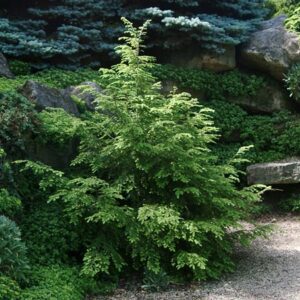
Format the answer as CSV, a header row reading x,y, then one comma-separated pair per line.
x,y
209,24
148,191
83,31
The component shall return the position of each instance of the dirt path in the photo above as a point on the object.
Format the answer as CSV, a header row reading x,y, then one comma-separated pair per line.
x,y
269,269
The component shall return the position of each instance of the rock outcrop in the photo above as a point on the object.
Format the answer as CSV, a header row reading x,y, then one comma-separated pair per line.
x,y
272,49
282,172
43,97
211,61
4,68
269,99
85,92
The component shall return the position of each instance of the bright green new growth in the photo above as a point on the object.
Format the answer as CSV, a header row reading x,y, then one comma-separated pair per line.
x,y
57,126
54,282
148,183
9,289
292,82
291,8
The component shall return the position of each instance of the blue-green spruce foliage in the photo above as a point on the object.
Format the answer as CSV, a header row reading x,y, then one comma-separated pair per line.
x,y
72,32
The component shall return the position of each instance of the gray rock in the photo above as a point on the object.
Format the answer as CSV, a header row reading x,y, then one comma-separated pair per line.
x,y
282,172
269,99
4,68
272,49
86,92
43,97
193,58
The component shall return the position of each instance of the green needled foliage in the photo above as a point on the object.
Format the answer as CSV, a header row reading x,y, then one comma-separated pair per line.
x,y
148,190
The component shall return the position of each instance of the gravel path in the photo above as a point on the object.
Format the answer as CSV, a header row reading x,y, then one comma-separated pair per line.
x,y
269,269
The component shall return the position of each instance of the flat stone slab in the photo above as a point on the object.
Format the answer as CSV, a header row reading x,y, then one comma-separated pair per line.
x,y
284,172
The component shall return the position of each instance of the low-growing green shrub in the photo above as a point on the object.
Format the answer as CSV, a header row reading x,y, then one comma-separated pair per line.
x,y
259,130
49,237
62,78
18,118
289,141
56,78
53,282
9,289
57,126
292,204
9,204
273,137
155,282
19,67
230,84
228,118
266,134
13,260
6,174
225,151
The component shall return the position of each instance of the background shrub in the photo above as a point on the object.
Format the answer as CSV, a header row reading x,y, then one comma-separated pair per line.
x,y
9,205
292,204
56,78
19,67
228,118
53,282
69,33
288,141
57,127
213,86
49,237
9,289
292,82
18,119
13,260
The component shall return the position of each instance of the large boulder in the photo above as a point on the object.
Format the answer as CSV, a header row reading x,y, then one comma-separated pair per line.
x,y
43,97
4,68
268,99
86,92
193,58
282,172
272,49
